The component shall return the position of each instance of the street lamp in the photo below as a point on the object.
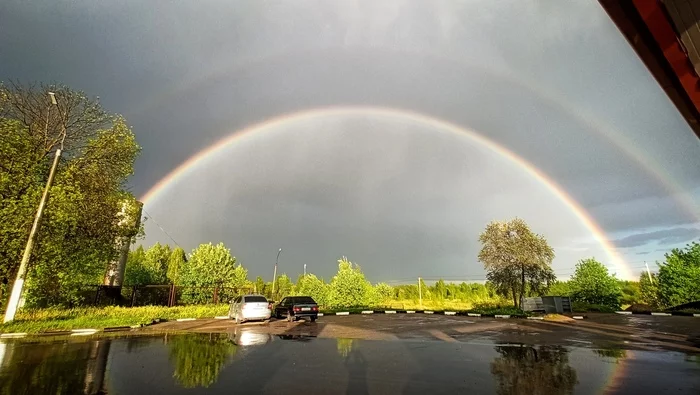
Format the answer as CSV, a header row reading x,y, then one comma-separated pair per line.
x,y
18,285
274,275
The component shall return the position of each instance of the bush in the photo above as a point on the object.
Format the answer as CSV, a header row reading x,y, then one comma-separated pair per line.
x,y
593,284
583,307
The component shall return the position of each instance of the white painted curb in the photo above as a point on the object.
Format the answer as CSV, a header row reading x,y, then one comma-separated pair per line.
x,y
501,316
135,326
662,314
624,312
414,312
536,318
84,330
221,317
696,315
185,319
367,312
577,317
320,314
343,313
428,312
473,314
12,335
390,312
450,312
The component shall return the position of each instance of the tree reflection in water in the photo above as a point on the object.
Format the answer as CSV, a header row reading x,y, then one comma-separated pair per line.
x,y
54,368
533,371
614,353
344,347
199,359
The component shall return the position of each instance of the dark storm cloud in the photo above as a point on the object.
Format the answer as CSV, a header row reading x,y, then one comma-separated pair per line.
x,y
660,237
554,82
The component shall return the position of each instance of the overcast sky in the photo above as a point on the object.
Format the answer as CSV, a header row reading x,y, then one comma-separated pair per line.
x,y
553,82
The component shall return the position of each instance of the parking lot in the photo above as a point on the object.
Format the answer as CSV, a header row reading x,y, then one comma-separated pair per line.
x,y
597,331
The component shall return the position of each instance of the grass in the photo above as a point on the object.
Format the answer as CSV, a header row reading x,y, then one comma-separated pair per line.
x,y
56,319
51,319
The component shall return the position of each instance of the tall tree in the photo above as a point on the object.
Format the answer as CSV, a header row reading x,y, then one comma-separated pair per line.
x,y
649,289
679,276
517,261
211,266
591,283
157,258
176,262
310,285
349,288
81,223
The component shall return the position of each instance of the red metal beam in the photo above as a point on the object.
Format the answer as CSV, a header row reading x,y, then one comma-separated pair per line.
x,y
654,16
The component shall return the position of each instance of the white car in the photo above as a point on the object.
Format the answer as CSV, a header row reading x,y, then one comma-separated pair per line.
x,y
249,308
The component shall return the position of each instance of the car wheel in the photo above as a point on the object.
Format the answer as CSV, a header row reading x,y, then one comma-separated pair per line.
x,y
290,317
313,318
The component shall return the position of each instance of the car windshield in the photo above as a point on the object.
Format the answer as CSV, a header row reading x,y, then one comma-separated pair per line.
x,y
253,299
303,299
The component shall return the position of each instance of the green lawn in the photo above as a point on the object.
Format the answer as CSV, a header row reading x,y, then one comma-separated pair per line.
x,y
42,320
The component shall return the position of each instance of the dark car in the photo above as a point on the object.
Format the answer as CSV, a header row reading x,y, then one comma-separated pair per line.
x,y
294,307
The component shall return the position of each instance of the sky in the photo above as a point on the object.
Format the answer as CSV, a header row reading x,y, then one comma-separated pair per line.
x,y
401,128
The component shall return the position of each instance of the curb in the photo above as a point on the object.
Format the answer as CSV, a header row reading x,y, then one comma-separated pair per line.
x,y
185,319
450,313
662,314
473,315
624,312
389,311
501,316
414,312
536,318
578,317
221,317
428,312
367,311
342,313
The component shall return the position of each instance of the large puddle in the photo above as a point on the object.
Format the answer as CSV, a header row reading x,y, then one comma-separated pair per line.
x,y
248,362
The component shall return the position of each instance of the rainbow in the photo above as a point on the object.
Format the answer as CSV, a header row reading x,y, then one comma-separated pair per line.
x,y
594,124
568,201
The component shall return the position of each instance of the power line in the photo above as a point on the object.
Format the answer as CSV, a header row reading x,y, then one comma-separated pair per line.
x,y
160,227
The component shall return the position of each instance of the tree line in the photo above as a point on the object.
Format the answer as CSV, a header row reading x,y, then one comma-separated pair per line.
x,y
81,223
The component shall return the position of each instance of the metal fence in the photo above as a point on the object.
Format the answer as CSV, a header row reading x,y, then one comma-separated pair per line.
x,y
159,295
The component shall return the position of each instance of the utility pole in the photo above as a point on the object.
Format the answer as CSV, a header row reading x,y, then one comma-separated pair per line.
x,y
420,294
18,285
274,275
305,270
649,273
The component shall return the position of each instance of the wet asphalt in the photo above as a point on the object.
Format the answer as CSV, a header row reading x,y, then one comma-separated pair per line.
x,y
386,355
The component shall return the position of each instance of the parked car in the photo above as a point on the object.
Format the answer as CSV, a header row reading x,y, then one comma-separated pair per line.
x,y
294,307
249,308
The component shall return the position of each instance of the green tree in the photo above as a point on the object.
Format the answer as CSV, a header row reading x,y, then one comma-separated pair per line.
x,y
559,288
137,272
260,286
211,266
649,289
157,258
631,293
81,223
517,261
440,290
310,285
384,291
176,262
349,288
283,287
591,283
679,276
